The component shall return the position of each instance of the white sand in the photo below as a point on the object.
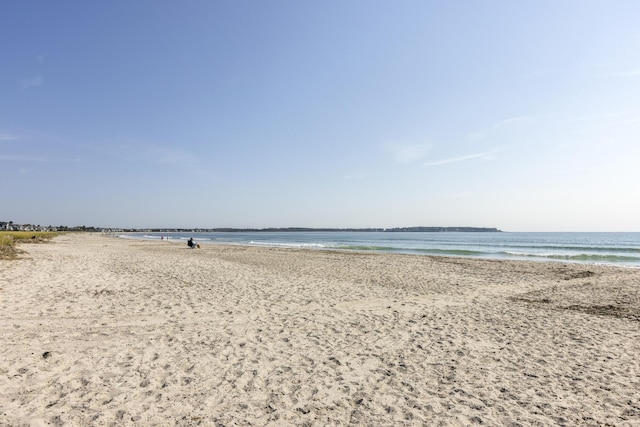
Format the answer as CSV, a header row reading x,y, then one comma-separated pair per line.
x,y
104,331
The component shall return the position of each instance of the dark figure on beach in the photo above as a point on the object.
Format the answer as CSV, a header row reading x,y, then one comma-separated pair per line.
x,y
191,243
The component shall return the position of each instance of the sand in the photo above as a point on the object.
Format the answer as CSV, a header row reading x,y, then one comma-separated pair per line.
x,y
101,331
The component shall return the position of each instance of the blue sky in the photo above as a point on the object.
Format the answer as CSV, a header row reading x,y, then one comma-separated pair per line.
x,y
521,115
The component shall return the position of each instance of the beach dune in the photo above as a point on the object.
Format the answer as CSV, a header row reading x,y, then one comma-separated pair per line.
x,y
105,331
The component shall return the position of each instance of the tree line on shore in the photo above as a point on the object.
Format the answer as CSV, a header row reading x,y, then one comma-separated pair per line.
x,y
11,226
308,229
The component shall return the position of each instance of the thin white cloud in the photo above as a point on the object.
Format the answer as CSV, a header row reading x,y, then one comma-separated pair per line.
x,y
169,155
476,135
37,159
8,137
407,153
354,177
627,73
498,126
511,121
144,152
163,156
32,82
13,158
630,121
603,116
484,156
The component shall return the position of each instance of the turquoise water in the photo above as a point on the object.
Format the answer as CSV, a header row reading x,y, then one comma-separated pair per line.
x,y
591,248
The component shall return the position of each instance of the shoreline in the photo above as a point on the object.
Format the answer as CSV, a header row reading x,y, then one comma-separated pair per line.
x,y
101,331
588,256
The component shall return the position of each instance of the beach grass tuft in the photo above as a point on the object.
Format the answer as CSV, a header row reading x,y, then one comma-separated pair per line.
x,y
9,240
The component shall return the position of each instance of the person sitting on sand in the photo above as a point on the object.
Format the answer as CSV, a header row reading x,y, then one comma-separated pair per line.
x,y
191,243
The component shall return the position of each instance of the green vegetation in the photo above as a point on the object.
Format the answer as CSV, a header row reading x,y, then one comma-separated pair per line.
x,y
9,239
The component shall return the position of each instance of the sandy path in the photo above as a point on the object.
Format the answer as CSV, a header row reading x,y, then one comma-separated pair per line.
x,y
104,331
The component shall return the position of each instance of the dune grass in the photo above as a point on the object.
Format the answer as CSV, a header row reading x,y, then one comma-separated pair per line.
x,y
10,239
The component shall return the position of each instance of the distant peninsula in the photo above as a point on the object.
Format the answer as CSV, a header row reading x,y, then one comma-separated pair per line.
x,y
306,229
446,229
11,226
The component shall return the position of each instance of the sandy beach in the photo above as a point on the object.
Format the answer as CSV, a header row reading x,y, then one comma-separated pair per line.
x,y
102,331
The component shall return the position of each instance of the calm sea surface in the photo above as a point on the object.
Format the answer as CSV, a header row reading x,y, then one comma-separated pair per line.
x,y
591,248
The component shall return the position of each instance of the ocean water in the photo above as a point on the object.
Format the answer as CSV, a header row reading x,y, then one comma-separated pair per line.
x,y
591,248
